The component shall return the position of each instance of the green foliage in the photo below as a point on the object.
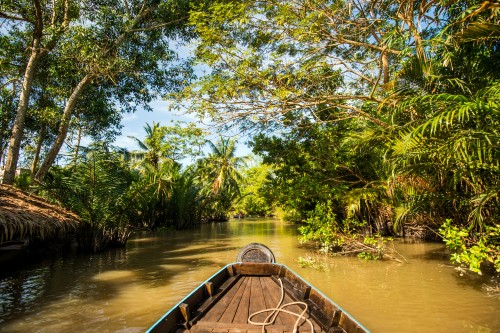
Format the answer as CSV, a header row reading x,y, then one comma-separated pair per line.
x,y
460,136
255,200
368,256
312,261
220,177
186,201
301,169
95,189
164,143
330,235
114,57
165,197
377,248
7,112
23,181
273,61
322,228
329,163
472,250
111,196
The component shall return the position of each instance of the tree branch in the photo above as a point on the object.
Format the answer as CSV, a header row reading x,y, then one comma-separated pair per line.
x,y
15,18
159,25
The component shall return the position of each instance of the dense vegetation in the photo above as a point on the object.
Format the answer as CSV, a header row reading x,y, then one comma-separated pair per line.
x,y
370,117
384,113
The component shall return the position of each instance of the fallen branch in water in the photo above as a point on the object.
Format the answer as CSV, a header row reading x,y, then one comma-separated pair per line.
x,y
367,247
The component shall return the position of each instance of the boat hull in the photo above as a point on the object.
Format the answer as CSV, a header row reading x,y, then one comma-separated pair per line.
x,y
226,300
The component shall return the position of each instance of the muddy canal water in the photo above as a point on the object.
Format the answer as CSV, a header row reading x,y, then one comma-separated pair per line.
x,y
127,290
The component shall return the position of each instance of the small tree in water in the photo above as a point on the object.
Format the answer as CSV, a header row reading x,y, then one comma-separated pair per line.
x,y
330,235
472,250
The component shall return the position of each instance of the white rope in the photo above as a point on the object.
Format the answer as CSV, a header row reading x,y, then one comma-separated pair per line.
x,y
280,308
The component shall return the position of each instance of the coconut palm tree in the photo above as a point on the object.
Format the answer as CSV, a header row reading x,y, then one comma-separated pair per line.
x,y
152,151
220,174
186,200
221,167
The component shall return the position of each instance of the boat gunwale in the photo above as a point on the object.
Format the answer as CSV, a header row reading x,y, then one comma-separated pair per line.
x,y
327,298
176,307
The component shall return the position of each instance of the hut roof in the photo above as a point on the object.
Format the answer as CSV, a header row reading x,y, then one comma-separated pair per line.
x,y
27,215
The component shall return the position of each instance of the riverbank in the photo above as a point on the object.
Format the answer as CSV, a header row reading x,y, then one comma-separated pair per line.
x,y
28,217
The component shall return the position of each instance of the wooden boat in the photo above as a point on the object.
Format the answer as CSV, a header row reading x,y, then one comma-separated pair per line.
x,y
256,295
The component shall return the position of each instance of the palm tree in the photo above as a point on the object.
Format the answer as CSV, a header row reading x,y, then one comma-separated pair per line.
x,y
221,167
186,200
152,146
219,171
458,148
94,189
447,151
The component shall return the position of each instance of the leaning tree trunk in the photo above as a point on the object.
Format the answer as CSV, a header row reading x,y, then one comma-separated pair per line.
x,y
63,127
18,128
37,51
77,92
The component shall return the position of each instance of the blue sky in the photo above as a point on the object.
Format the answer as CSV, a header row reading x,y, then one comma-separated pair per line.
x,y
133,125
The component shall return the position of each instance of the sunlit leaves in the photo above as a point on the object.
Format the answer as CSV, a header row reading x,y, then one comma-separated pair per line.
x,y
220,175
270,59
473,250
460,136
173,143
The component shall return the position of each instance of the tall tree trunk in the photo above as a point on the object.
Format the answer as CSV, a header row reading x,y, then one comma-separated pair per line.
x,y
63,127
385,67
29,75
37,51
2,149
77,146
3,145
34,164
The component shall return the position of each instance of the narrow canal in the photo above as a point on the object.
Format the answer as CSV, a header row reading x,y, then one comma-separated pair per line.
x,y
127,290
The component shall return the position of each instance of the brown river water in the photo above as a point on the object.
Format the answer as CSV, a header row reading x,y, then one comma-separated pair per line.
x,y
127,290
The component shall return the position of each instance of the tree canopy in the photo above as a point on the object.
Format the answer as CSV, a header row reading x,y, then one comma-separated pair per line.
x,y
383,111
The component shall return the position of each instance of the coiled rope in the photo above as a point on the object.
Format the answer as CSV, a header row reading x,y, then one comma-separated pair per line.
x,y
281,308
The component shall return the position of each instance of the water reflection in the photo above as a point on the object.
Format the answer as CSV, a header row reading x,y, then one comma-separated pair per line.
x,y
126,290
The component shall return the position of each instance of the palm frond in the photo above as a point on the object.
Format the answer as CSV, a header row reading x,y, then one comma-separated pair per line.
x,y
480,32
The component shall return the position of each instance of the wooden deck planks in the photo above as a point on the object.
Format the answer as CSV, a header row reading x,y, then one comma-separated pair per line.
x,y
215,313
241,316
230,312
250,294
258,301
203,327
272,298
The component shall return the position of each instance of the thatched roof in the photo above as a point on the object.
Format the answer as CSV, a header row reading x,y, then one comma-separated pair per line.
x,y
27,215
